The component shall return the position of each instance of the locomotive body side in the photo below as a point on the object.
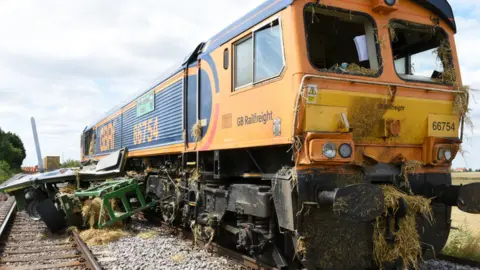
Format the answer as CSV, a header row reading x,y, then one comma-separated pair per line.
x,y
209,101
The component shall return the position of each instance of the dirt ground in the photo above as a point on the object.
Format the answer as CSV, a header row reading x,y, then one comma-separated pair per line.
x,y
460,218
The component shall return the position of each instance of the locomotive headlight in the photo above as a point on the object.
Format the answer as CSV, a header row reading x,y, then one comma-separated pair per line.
x,y
345,150
444,153
390,2
448,154
329,150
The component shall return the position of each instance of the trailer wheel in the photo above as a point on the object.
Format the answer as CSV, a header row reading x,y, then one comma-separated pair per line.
x,y
52,217
32,210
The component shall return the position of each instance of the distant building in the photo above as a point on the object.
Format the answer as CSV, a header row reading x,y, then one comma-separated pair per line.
x,y
51,163
30,170
460,170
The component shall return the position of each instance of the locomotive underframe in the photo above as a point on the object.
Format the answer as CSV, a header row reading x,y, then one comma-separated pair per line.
x,y
264,209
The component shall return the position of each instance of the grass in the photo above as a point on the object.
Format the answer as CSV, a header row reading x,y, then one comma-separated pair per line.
x,y
463,243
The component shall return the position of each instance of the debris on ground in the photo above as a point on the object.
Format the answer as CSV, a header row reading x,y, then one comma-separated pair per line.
x,y
148,234
95,237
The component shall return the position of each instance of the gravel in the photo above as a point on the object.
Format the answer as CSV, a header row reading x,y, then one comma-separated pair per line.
x,y
444,265
163,251
166,251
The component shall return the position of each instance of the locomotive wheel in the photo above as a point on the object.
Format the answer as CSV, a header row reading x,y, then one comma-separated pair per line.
x,y
32,210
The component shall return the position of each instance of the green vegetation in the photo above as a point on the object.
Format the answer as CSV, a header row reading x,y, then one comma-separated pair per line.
x,y
5,172
12,154
464,244
70,163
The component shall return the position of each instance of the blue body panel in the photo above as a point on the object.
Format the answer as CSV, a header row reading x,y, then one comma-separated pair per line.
x,y
205,100
191,105
162,126
114,127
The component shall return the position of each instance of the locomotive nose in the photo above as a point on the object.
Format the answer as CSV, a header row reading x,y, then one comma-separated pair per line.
x,y
360,202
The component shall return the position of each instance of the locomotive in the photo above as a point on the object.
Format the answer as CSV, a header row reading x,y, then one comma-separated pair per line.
x,y
282,135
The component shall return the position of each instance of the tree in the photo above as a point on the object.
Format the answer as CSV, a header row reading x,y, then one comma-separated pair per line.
x,y
5,172
12,150
70,163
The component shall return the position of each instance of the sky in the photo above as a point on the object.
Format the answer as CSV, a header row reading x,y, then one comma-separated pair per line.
x,y
67,62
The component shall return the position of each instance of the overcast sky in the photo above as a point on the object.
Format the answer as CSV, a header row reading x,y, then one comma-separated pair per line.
x,y
66,62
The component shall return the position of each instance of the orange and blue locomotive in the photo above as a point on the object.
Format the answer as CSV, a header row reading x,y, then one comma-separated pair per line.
x,y
308,134
284,131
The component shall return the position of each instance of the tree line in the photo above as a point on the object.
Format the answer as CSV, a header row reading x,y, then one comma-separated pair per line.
x,y
12,154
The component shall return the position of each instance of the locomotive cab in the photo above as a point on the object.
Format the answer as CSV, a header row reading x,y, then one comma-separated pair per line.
x,y
380,103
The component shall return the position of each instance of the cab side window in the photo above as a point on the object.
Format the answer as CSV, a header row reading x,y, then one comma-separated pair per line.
x,y
244,63
259,57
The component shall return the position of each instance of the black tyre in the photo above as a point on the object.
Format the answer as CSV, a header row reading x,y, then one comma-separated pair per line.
x,y
32,210
53,218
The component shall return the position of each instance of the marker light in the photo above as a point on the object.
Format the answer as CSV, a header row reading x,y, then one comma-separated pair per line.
x,y
390,2
329,150
345,150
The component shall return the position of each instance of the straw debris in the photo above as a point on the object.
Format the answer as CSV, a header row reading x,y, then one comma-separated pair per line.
x,y
178,258
97,237
356,69
91,213
68,189
460,104
366,117
407,245
301,249
148,234
197,131
409,167
391,30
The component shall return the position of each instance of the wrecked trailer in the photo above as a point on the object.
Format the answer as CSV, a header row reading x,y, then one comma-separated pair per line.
x,y
52,196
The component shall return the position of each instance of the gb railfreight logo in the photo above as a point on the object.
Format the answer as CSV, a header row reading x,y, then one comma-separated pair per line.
x,y
255,118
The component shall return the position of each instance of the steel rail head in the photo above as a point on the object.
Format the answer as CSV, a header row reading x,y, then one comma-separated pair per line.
x,y
7,217
90,260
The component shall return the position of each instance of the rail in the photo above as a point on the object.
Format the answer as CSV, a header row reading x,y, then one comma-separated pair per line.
x,y
90,260
8,217
25,244
240,258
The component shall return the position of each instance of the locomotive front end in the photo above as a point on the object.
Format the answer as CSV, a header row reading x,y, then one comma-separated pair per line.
x,y
379,118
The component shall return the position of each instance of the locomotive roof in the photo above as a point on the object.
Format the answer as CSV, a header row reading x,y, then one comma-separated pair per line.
x,y
440,7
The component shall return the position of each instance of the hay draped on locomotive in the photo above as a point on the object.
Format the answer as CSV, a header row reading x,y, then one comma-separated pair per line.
x,y
313,134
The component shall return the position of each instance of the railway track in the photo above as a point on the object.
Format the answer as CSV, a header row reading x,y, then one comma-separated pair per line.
x,y
27,244
246,261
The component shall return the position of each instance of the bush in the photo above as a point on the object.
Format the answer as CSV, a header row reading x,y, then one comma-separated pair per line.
x,y
5,171
70,163
463,244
